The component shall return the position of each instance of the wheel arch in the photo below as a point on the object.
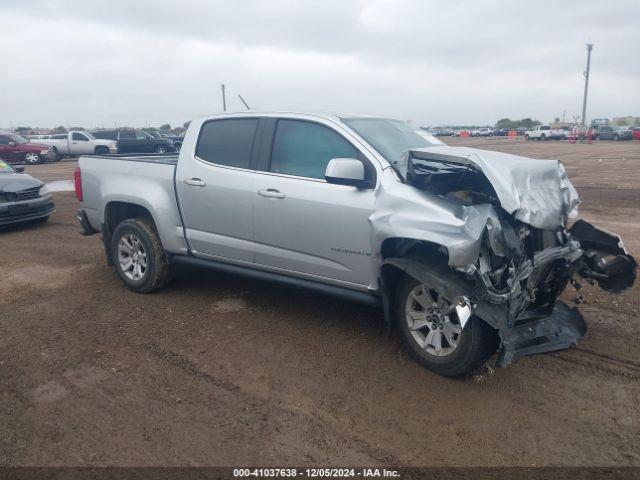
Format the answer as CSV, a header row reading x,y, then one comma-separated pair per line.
x,y
114,213
396,253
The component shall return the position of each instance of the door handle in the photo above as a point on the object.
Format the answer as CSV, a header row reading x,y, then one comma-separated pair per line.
x,y
271,193
195,182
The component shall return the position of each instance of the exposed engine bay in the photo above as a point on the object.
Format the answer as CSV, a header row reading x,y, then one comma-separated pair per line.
x,y
525,254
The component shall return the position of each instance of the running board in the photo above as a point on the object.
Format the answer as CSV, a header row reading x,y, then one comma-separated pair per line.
x,y
331,290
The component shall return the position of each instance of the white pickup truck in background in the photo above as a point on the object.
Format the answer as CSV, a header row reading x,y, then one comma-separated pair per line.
x,y
545,132
77,143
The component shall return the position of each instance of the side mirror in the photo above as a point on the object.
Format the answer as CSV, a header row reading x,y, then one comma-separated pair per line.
x,y
346,171
12,144
19,168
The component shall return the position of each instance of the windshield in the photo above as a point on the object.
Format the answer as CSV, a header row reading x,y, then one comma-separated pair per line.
x,y
16,138
5,167
389,137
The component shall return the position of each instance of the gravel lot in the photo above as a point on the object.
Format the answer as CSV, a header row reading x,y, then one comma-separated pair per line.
x,y
217,370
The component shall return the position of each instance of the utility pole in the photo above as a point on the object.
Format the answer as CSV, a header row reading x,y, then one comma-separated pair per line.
x,y
224,99
245,103
586,83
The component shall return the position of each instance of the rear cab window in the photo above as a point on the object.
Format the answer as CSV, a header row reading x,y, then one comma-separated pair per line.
x,y
227,142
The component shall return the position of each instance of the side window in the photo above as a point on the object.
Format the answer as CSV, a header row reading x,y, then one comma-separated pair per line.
x,y
79,137
227,142
142,136
304,149
126,135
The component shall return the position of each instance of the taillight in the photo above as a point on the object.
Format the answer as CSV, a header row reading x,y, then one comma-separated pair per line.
x,y
77,182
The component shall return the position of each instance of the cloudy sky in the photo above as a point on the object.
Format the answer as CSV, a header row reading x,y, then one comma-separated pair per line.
x,y
139,63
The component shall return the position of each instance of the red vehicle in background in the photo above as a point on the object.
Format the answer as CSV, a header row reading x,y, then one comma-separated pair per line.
x,y
15,149
636,133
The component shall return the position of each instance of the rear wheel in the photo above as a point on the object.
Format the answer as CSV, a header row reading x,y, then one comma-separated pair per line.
x,y
526,137
433,334
140,261
543,137
32,158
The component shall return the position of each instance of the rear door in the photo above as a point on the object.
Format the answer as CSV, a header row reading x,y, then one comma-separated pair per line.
x,y
302,224
215,184
127,142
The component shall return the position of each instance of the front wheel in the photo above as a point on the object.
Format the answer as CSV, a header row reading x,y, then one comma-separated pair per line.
x,y
161,149
140,261
433,335
526,137
616,138
32,158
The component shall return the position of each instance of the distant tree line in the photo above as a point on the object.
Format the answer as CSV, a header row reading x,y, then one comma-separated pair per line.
x,y
512,124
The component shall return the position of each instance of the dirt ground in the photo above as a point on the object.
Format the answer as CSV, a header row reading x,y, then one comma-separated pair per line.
x,y
218,370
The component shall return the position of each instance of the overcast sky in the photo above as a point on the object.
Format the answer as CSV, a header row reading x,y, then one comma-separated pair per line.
x,y
144,63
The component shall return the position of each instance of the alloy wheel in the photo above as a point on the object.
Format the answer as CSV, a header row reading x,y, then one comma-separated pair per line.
x,y
132,257
432,321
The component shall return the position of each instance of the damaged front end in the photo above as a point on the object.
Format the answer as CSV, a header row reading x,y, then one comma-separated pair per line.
x,y
525,256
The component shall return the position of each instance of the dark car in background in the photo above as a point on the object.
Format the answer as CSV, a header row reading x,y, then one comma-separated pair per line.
x,y
16,149
606,132
22,197
136,141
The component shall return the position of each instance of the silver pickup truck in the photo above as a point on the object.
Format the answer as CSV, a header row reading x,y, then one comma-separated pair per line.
x,y
466,251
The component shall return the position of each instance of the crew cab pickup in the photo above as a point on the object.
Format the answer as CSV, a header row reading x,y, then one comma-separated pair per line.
x,y
136,141
77,143
466,251
545,132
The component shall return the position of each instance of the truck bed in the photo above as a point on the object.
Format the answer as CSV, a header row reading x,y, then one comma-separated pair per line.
x,y
146,180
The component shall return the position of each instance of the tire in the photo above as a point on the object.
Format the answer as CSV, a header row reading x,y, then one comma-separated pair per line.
x,y
616,138
475,344
58,156
143,278
543,138
160,149
102,151
31,158
526,137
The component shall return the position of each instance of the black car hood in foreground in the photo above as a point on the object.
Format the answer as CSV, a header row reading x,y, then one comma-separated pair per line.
x,y
15,182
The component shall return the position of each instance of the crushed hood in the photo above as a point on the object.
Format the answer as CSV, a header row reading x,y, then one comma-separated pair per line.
x,y
536,192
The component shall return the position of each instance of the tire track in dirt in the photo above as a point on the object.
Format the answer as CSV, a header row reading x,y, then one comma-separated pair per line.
x,y
601,362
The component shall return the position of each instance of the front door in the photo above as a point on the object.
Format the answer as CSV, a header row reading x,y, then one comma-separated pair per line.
x,y
79,144
304,225
215,187
9,153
